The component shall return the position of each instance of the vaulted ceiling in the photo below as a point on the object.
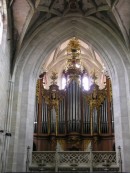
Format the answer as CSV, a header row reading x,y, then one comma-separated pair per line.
x,y
28,15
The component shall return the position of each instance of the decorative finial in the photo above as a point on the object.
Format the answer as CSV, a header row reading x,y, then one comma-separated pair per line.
x,y
94,76
54,77
73,47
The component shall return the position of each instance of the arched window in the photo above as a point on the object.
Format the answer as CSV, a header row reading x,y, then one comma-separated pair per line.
x,y
63,82
86,85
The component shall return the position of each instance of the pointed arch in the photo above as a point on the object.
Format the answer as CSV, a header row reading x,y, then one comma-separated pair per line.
x,y
34,53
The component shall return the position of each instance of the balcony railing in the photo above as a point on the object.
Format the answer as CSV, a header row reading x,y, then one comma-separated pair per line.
x,y
75,160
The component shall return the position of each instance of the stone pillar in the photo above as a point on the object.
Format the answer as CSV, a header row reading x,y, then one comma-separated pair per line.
x,y
21,124
121,121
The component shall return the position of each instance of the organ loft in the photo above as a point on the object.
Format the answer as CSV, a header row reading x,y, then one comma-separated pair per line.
x,y
77,115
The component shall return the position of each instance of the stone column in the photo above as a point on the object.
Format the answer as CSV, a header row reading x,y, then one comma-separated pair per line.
x,y
121,121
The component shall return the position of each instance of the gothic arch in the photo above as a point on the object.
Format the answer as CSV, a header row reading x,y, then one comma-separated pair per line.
x,y
35,51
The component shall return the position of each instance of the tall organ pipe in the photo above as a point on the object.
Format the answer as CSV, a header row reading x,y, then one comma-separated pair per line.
x,y
62,116
44,116
74,106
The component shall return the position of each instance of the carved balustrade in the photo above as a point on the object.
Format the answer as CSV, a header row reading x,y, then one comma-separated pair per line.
x,y
74,160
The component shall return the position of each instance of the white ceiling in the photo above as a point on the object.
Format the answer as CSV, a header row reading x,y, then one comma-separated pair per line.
x,y
89,58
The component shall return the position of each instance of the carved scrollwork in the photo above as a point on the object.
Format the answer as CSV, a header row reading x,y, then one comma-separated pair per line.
x,y
95,97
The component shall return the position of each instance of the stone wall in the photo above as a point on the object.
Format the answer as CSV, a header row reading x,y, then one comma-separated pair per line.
x,y
4,90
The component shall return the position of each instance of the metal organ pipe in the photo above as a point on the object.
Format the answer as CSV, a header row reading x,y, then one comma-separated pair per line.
x,y
112,116
84,116
64,115
44,116
106,117
103,111
95,120
70,104
61,116
76,103
74,106
102,107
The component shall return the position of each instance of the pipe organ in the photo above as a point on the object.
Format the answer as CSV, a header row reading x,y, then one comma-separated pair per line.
x,y
73,117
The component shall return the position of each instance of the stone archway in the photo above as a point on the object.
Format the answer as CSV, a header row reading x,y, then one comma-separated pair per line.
x,y
35,51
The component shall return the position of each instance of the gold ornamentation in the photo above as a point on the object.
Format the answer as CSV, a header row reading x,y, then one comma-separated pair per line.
x,y
110,92
74,47
94,76
54,77
37,90
73,67
62,143
86,144
75,141
52,98
96,96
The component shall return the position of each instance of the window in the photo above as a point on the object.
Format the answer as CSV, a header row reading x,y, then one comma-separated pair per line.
x,y
63,82
86,83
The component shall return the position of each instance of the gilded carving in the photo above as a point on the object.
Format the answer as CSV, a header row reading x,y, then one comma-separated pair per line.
x,y
37,90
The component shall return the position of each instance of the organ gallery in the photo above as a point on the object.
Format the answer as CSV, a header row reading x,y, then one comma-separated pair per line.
x,y
77,115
